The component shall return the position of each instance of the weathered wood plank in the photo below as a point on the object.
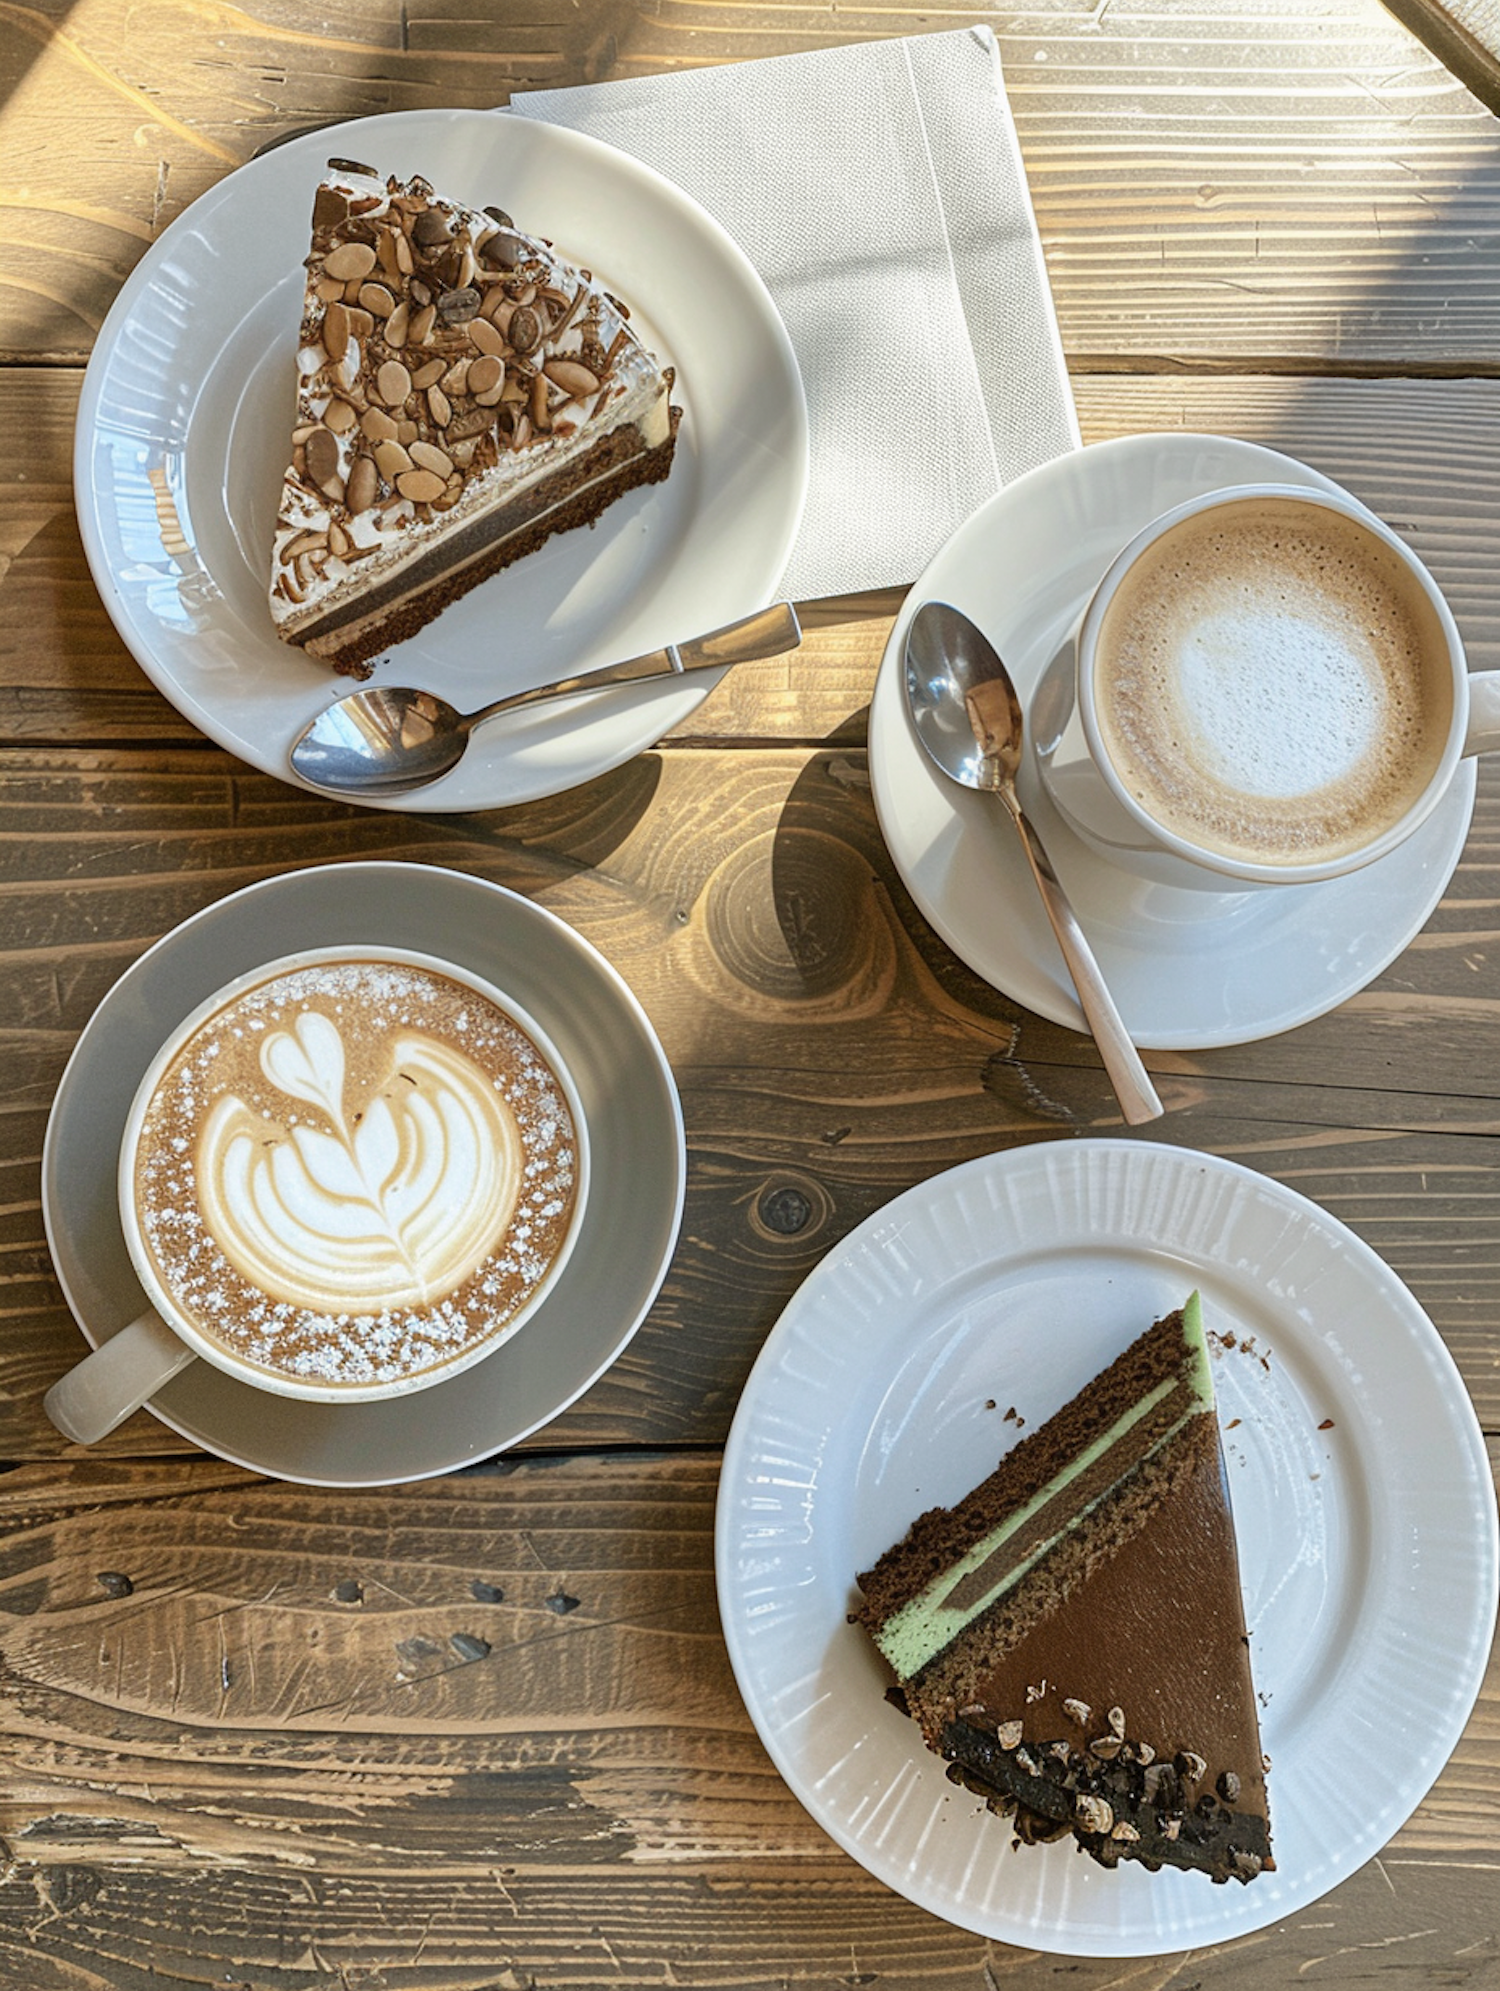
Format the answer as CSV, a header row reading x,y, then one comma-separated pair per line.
x,y
1300,184
312,1740
829,1049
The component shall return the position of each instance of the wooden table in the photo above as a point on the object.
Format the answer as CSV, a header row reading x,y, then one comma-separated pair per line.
x,y
304,1744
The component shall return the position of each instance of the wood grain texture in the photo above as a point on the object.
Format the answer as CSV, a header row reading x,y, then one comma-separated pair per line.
x,y
482,1732
1306,185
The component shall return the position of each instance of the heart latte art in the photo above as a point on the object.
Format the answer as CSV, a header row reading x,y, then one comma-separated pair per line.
x,y
352,1172
393,1211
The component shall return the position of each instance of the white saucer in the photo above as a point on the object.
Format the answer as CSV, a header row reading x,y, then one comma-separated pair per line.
x,y
184,426
1364,1511
1189,969
630,1222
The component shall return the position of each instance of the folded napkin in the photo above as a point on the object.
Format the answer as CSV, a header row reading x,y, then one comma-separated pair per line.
x,y
879,191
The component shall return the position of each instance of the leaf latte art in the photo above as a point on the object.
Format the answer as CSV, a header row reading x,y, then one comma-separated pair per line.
x,y
355,1173
393,1211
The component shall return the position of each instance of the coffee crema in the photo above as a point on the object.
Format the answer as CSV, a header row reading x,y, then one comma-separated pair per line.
x,y
1272,683
354,1172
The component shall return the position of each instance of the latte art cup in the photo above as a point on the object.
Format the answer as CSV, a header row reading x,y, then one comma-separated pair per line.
x,y
347,1175
1267,687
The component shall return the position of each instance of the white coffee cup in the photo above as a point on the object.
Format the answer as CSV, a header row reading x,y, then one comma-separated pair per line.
x,y
342,1178
1219,723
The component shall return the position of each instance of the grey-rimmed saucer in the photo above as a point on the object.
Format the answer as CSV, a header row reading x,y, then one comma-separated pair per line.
x,y
630,1224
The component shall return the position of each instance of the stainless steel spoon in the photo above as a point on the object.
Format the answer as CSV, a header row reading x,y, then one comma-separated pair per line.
x,y
388,739
968,717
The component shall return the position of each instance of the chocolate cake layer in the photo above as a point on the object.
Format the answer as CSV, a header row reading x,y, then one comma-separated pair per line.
x,y
1071,1636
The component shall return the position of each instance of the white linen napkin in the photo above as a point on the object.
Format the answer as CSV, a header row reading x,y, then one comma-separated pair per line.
x,y
879,191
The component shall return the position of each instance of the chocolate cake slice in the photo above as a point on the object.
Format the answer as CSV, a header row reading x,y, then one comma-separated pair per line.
x,y
463,394
1070,1636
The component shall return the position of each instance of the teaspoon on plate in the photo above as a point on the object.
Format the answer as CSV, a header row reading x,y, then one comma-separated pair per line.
x,y
389,739
967,716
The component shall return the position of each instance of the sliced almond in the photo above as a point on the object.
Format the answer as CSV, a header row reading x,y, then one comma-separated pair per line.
x,y
572,376
377,425
397,324
425,375
377,300
340,416
422,324
364,484
393,383
338,541
487,337
440,406
484,374
427,456
348,260
321,456
392,460
336,331
421,486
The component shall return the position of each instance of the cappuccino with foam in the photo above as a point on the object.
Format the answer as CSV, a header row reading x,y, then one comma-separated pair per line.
x,y
352,1175
1271,682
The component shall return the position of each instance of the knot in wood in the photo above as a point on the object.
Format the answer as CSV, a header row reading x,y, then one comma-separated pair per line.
x,y
785,1210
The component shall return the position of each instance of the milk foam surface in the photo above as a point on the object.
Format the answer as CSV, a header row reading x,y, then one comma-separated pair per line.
x,y
354,1172
1272,683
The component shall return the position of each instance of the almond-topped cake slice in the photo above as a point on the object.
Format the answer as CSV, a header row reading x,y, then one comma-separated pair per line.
x,y
462,395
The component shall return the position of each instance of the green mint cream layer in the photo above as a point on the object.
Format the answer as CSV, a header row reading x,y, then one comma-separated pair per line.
x,y
913,1636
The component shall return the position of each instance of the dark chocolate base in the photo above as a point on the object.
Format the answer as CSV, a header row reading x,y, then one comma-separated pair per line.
x,y
1116,1810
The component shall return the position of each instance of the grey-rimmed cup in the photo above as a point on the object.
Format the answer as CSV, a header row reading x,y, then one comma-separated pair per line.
x,y
123,1372
1087,787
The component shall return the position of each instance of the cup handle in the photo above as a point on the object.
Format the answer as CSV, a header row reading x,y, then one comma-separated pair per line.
x,y
104,1388
1483,736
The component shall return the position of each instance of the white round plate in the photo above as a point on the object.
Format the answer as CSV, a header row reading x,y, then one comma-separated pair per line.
x,y
185,420
1368,1550
637,1177
1189,969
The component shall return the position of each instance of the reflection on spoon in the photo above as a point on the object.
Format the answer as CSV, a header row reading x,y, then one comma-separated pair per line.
x,y
388,739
